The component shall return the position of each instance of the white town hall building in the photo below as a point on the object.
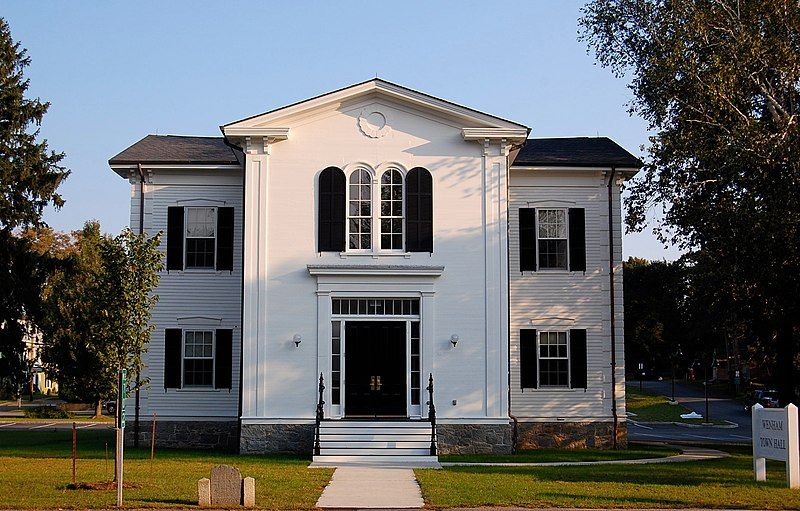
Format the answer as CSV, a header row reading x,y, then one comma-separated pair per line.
x,y
377,238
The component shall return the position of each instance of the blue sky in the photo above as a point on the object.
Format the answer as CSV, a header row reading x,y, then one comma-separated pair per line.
x,y
116,71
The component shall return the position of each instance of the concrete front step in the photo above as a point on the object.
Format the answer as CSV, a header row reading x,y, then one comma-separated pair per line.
x,y
374,451
375,444
356,440
344,423
418,461
377,437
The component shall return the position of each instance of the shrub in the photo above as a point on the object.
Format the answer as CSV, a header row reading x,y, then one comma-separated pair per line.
x,y
47,412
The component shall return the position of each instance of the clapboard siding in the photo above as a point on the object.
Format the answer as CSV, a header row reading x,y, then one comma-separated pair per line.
x,y
212,298
564,300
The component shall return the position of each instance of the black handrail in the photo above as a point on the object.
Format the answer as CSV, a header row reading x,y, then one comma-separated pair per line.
x,y
432,414
320,413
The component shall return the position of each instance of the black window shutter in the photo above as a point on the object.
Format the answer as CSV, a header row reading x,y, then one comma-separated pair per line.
x,y
419,211
331,233
223,359
225,239
577,239
172,358
528,359
174,238
527,239
577,359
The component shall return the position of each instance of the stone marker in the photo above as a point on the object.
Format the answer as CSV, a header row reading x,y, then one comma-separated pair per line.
x,y
204,492
249,492
226,486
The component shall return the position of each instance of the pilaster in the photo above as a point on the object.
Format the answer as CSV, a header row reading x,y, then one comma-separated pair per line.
x,y
255,277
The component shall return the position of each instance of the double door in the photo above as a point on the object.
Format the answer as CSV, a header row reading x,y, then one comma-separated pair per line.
x,y
375,361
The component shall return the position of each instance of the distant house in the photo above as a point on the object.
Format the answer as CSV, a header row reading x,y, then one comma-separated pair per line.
x,y
377,238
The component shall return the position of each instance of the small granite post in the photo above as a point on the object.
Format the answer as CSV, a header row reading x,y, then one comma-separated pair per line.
x,y
204,492
249,492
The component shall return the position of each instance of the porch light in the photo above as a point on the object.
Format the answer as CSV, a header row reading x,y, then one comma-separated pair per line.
x,y
297,340
454,340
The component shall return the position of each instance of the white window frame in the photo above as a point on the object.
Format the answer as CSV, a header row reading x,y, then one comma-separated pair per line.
x,y
539,359
538,238
213,359
186,239
390,217
359,217
413,411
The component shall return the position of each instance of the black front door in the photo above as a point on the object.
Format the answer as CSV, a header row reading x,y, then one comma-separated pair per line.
x,y
375,365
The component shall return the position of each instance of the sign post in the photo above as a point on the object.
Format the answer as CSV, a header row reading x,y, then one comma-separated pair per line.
x,y
122,395
775,436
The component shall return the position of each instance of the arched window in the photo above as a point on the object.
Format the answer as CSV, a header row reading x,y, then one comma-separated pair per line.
x,y
392,210
360,211
419,211
331,225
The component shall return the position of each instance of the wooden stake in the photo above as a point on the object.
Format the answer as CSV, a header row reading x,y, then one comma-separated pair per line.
x,y
74,450
153,438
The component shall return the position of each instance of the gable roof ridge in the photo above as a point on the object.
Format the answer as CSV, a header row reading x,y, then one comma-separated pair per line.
x,y
376,81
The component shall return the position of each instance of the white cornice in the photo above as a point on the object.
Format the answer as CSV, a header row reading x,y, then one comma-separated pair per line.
x,y
388,269
510,134
273,134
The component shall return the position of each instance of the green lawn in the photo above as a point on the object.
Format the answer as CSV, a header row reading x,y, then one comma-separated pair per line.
x,y
724,483
650,407
35,470
553,455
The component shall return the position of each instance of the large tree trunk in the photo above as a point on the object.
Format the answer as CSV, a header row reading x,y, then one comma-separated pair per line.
x,y
98,409
785,370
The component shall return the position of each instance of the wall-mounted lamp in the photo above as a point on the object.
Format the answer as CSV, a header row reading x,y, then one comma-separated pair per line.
x,y
297,340
454,340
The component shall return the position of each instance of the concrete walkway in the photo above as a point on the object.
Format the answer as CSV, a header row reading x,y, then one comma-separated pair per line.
x,y
387,488
687,454
371,488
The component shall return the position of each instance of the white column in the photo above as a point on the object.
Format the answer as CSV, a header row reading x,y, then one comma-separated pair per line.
x,y
255,280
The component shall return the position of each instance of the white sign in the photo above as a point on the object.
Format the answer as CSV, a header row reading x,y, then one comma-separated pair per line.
x,y
775,436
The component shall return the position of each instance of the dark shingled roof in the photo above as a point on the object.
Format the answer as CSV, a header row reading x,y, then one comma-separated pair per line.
x,y
180,150
575,152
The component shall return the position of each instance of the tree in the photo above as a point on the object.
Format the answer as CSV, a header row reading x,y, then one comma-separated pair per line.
x,y
655,328
29,176
98,312
719,83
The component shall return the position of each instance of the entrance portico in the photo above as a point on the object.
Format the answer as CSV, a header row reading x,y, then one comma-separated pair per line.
x,y
375,334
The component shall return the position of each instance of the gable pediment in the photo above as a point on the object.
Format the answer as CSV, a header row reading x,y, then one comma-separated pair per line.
x,y
275,124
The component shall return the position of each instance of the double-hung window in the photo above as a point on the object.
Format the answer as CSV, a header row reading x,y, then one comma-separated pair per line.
x,y
200,237
553,359
392,210
198,358
359,212
551,226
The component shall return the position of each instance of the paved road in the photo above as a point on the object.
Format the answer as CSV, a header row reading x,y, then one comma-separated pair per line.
x,y
6,425
693,398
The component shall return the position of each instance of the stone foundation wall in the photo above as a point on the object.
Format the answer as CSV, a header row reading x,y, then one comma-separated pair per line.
x,y
474,438
187,434
578,435
277,438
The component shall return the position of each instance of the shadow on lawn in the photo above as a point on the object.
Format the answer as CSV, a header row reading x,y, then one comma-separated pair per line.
x,y
613,501
178,502
733,470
